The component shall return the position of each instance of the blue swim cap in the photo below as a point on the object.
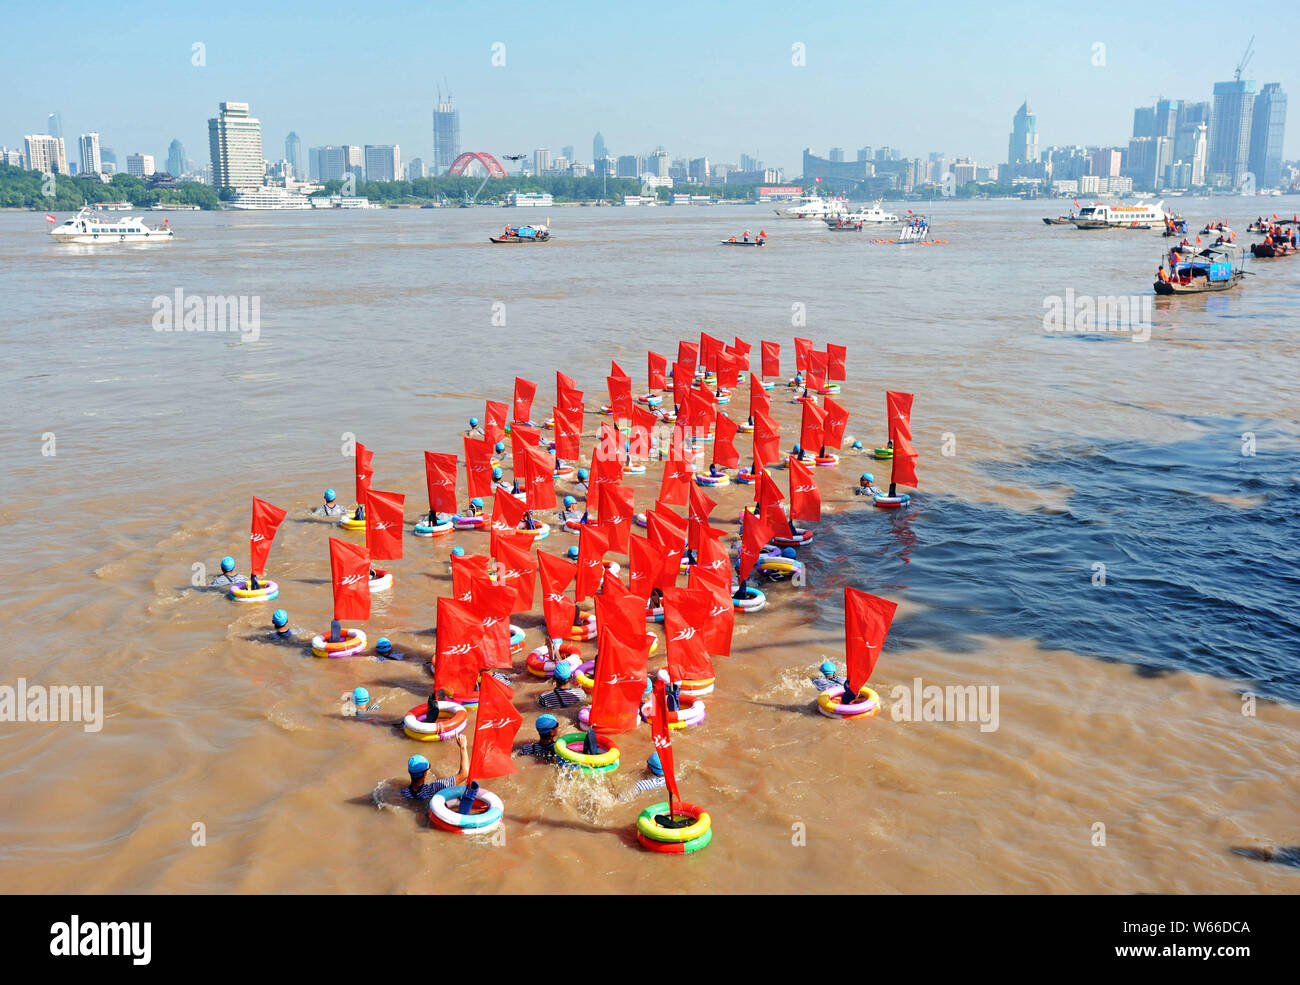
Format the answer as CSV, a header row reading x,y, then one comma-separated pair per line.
x,y
828,668
383,645
868,476
330,495
497,473
798,451
857,444
569,500
500,446
789,552
279,617
458,552
582,474
573,552
361,698
477,501
473,422
227,563
656,767
547,722
417,765
563,672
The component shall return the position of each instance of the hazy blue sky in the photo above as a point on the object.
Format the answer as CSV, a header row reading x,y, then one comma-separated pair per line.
x,y
699,78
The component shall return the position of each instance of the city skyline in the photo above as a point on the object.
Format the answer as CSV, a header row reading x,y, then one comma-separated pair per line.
x,y
772,112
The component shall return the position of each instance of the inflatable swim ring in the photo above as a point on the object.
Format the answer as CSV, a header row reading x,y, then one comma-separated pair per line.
x,y
827,461
464,521
892,502
569,749
648,827
539,663
690,714
449,724
382,582
423,529
485,815
240,591
705,479
882,454
700,688
354,642
800,538
348,522
753,600
867,705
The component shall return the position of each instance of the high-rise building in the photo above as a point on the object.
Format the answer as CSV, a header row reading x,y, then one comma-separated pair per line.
x,y
1268,126
140,165
176,159
698,170
1191,117
383,162
54,125
567,152
1023,145
235,144
658,163
864,153
446,135
541,160
46,153
630,166
293,153
1147,159
1234,104
1106,162
415,169
837,155
598,150
90,159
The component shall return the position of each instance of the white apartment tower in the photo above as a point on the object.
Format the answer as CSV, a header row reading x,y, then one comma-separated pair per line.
x,y
235,143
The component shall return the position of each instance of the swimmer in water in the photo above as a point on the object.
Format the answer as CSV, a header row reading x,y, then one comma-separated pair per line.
x,y
562,695
568,513
867,485
582,480
384,649
548,730
228,574
330,507
282,633
418,769
473,426
828,679
652,780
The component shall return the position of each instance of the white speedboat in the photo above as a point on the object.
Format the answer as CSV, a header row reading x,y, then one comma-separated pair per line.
x,y
868,215
87,226
813,207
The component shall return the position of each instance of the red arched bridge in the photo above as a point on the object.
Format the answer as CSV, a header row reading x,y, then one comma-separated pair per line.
x,y
494,168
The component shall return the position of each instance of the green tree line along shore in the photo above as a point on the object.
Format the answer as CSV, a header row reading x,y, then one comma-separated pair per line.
x,y
21,189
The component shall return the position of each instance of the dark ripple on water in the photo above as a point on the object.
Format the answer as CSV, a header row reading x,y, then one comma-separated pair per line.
x,y
1193,582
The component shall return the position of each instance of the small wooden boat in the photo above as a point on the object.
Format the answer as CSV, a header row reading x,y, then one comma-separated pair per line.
x,y
841,227
1210,268
1272,249
741,242
1060,220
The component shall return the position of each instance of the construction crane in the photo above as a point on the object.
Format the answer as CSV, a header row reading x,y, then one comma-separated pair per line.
x,y
1245,58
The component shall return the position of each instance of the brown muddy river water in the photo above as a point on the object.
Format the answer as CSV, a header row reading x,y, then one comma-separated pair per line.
x,y
1145,727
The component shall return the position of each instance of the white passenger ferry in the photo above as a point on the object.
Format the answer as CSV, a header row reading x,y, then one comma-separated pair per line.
x,y
868,215
1141,216
813,207
88,226
270,198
